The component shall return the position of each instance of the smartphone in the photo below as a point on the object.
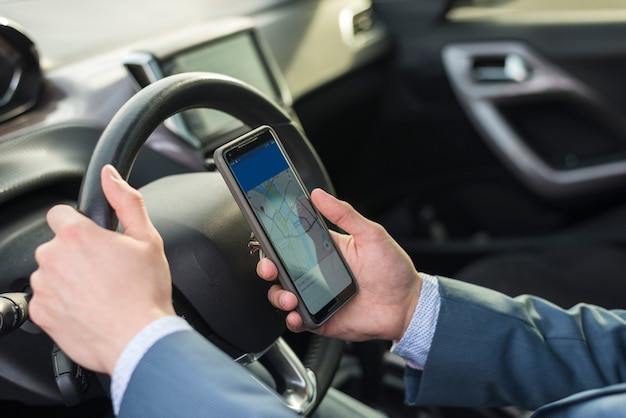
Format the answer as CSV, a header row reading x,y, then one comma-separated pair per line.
x,y
292,233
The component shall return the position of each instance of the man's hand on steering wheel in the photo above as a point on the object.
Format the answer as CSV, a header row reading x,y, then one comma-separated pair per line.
x,y
84,297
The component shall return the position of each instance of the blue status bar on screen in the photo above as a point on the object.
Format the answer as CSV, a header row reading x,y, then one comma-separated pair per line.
x,y
258,165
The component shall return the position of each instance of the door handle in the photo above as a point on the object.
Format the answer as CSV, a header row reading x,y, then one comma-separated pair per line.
x,y
510,68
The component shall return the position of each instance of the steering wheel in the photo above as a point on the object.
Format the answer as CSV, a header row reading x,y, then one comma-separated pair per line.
x,y
215,285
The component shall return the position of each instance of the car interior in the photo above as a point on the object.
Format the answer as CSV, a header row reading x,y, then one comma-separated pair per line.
x,y
487,136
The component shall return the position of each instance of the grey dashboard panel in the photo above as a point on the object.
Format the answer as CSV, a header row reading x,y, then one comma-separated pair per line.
x,y
230,46
487,76
326,40
312,43
76,29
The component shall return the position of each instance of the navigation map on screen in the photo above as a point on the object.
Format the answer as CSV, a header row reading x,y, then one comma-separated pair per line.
x,y
300,240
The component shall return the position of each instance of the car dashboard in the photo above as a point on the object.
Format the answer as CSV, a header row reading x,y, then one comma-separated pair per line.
x,y
332,41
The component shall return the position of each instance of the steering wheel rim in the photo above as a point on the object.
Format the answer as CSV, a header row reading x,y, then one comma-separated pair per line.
x,y
121,142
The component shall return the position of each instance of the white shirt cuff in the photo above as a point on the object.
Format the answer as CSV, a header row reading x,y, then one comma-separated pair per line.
x,y
136,349
414,345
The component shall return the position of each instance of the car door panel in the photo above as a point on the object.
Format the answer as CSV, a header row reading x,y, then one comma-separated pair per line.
x,y
552,141
553,131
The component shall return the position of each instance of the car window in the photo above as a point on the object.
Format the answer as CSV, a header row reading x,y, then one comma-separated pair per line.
x,y
539,10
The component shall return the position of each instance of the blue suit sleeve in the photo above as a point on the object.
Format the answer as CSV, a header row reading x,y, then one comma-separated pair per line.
x,y
493,350
185,375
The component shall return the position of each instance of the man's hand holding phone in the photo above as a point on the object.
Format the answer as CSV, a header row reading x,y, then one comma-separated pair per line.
x,y
389,283
273,199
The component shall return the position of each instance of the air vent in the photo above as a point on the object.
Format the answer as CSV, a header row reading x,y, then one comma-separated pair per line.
x,y
359,25
363,21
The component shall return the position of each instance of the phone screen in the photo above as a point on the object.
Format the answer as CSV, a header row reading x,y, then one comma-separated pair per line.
x,y
294,228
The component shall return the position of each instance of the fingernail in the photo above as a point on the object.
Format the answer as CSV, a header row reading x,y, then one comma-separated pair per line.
x,y
115,175
282,301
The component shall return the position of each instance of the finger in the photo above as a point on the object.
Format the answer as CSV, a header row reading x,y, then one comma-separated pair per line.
x,y
340,213
281,298
266,269
294,322
127,203
44,298
62,217
44,255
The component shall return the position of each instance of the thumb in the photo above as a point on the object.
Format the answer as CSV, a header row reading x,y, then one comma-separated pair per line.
x,y
127,203
340,213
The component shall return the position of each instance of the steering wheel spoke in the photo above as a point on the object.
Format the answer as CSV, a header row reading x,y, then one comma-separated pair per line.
x,y
295,383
